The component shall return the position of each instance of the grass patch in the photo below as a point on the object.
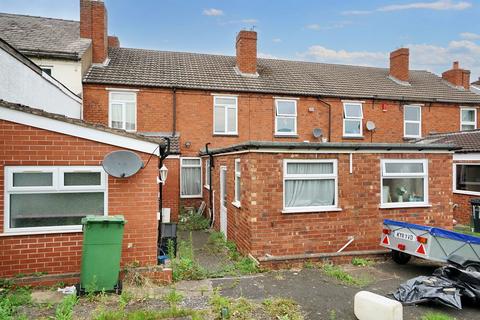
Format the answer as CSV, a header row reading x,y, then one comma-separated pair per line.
x,y
465,230
283,309
192,221
436,316
149,315
64,310
341,275
361,262
11,299
226,308
173,298
184,266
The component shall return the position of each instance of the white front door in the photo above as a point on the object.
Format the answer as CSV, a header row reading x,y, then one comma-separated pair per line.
x,y
223,200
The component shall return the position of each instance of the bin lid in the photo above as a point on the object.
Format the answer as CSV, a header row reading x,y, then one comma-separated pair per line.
x,y
475,201
103,219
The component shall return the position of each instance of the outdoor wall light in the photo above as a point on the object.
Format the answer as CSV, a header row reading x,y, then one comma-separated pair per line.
x,y
188,144
163,174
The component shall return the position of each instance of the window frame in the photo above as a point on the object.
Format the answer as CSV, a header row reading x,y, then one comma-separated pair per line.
x,y
57,187
468,123
238,175
333,176
419,122
278,115
454,178
226,106
200,195
123,102
345,118
424,176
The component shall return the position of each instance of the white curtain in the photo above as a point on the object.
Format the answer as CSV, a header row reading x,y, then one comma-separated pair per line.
x,y
191,184
117,120
309,193
130,116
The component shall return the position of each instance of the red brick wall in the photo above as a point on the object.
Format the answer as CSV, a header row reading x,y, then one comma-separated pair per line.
x,y
399,64
246,47
256,116
135,198
260,228
93,25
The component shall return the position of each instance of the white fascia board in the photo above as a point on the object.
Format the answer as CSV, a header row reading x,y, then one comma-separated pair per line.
x,y
75,130
474,156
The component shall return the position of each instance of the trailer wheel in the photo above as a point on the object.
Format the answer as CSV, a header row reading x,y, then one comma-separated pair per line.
x,y
400,257
472,267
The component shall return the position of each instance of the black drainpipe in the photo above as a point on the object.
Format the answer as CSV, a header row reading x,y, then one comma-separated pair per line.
x,y
210,191
174,111
163,154
329,117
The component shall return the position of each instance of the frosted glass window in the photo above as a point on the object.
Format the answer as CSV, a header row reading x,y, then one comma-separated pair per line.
x,y
285,117
412,121
32,179
82,178
352,119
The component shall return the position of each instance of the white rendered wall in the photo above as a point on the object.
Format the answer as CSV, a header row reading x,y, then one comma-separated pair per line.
x,y
67,72
21,84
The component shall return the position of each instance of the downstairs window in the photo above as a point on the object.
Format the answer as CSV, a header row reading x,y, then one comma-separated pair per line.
x,y
43,199
467,178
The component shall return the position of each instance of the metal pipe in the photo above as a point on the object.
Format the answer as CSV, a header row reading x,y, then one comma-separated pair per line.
x,y
163,154
210,191
329,117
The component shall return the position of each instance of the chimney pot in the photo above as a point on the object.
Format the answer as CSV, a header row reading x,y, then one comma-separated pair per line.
x,y
246,47
399,64
456,65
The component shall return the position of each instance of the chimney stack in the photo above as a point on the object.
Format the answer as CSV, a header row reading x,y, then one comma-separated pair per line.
x,y
93,25
246,46
457,76
113,42
399,64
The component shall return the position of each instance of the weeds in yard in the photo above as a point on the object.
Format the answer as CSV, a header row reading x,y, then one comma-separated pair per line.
x,y
436,316
125,298
360,262
226,308
11,299
341,275
332,315
173,298
192,221
184,266
64,310
281,308
150,315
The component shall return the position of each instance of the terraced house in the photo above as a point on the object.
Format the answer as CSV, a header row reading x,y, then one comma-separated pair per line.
x,y
304,159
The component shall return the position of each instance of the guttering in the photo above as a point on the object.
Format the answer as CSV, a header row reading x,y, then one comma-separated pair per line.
x,y
329,116
331,146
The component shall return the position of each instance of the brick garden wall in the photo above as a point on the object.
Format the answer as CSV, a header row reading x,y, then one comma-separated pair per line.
x,y
260,228
135,198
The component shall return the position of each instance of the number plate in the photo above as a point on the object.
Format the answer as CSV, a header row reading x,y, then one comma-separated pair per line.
x,y
404,236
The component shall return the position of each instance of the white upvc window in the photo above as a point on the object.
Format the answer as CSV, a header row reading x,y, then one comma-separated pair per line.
x,y
285,117
468,119
404,183
207,173
123,110
225,115
190,177
48,199
466,178
412,121
352,119
310,185
238,190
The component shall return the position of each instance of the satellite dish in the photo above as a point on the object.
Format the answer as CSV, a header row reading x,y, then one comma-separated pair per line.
x,y
370,125
317,133
122,164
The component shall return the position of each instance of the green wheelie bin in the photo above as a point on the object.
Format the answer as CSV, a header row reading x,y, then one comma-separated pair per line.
x,y
101,253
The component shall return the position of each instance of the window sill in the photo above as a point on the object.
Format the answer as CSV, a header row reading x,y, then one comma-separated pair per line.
x,y
313,210
225,134
405,205
236,204
469,193
411,138
206,187
38,232
192,197
293,135
353,137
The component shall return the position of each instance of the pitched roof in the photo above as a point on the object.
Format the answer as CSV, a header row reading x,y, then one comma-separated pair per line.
x,y
466,141
43,37
139,67
121,133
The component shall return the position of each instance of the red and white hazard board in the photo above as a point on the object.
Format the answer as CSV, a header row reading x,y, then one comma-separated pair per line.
x,y
421,249
386,241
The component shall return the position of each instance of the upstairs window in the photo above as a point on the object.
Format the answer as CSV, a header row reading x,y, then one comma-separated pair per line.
x,y
352,119
225,115
123,110
404,183
190,177
468,119
285,117
47,199
412,121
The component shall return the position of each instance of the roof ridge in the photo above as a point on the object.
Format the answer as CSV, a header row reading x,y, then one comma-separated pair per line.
x,y
31,16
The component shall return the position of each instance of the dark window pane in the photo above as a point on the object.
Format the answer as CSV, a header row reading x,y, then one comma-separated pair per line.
x,y
468,178
53,209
